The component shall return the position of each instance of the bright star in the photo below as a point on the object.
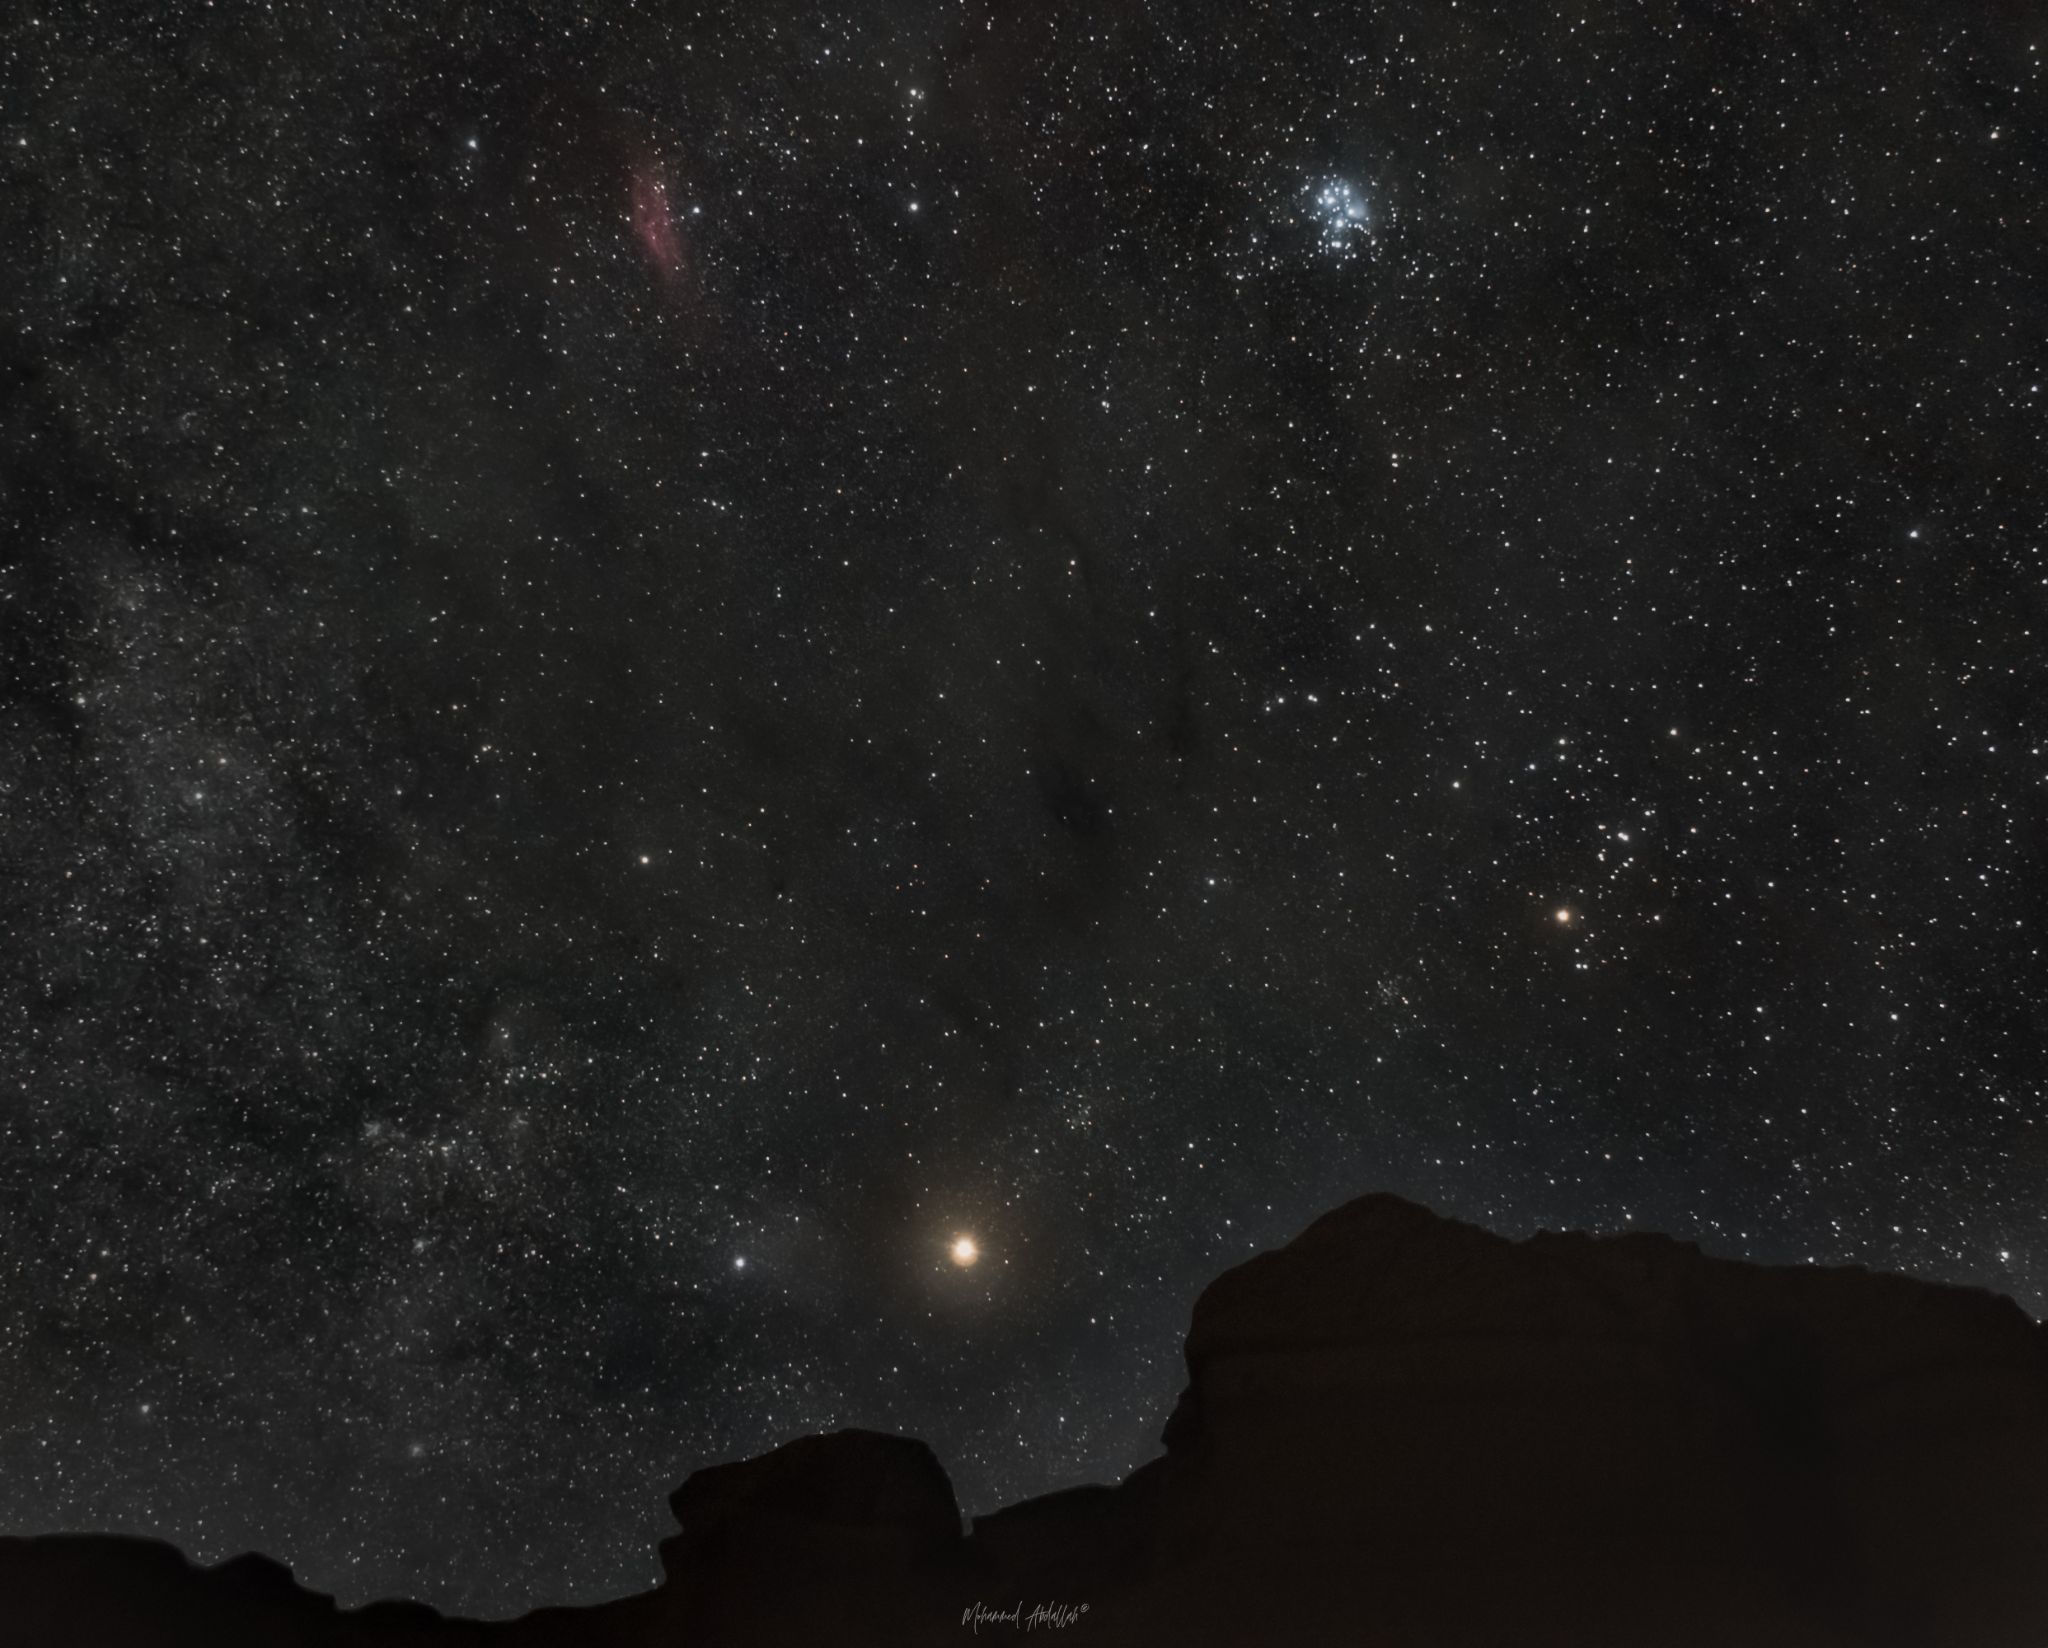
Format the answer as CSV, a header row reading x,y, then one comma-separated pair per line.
x,y
964,1251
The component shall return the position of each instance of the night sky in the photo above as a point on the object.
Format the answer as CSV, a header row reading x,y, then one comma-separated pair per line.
x,y
654,663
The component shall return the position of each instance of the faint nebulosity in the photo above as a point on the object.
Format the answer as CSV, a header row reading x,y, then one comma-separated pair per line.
x,y
658,665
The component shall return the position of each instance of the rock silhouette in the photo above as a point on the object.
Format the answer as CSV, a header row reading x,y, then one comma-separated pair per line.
x,y
1397,1429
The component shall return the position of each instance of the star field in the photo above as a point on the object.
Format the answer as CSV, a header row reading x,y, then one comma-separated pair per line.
x,y
713,726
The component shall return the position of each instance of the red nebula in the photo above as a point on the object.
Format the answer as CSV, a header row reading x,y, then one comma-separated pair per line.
x,y
654,225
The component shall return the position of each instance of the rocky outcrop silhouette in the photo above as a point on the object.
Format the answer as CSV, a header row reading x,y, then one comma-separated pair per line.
x,y
1397,1429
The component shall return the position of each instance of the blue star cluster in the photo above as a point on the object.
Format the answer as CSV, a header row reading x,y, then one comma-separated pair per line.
x,y
1343,218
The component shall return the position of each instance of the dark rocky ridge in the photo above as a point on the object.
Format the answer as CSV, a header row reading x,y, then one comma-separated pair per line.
x,y
1397,1429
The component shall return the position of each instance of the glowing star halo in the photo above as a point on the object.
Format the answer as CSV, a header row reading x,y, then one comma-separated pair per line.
x,y
964,1251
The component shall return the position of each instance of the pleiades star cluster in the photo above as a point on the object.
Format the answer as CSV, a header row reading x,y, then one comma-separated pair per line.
x,y
719,723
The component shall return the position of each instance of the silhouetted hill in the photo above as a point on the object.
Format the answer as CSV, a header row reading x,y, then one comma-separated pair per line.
x,y
1397,1429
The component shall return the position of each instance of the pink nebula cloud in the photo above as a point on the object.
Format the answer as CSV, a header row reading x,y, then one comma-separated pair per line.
x,y
654,225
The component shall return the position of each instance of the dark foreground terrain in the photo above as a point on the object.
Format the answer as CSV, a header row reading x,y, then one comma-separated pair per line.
x,y
1396,1429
